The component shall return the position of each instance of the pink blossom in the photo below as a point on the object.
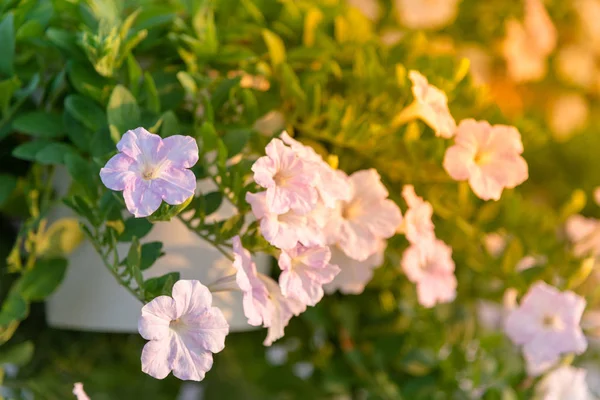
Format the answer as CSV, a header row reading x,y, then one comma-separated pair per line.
x,y
258,306
430,266
585,235
289,179
149,169
418,226
354,275
546,324
368,218
494,243
426,14
79,392
488,156
183,332
597,195
430,105
539,27
305,271
564,383
331,185
284,308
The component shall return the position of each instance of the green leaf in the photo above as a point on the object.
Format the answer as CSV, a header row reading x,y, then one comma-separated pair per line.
x,y
134,73
39,282
8,183
133,262
81,207
7,44
78,133
235,141
212,202
81,172
232,227
7,89
30,29
54,154
152,99
221,92
161,285
123,111
87,81
209,137
135,227
512,255
27,151
188,83
275,46
150,253
170,124
85,111
40,124
19,354
14,308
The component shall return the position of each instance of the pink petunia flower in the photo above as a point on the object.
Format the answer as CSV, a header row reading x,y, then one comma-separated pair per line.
x,y
426,14
331,185
284,309
584,233
417,226
546,324
183,330
539,26
257,304
565,382
488,156
289,179
354,275
368,218
430,105
305,271
149,169
430,266
79,392
285,230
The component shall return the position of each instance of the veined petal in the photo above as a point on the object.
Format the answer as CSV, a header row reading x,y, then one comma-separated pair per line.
x,y
118,172
175,185
157,356
191,297
190,363
206,329
140,144
140,198
181,151
156,316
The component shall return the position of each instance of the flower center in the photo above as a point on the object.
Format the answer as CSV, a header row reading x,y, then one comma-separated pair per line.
x,y
149,173
351,210
552,322
482,158
280,179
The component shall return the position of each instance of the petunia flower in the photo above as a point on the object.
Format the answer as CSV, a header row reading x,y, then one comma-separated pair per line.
x,y
257,304
565,382
494,243
305,271
539,26
430,105
489,157
430,266
149,169
426,14
584,233
332,185
568,114
368,218
289,179
183,330
79,392
369,8
284,309
547,325
417,225
354,275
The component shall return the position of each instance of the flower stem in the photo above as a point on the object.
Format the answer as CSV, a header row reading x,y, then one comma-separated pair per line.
x,y
205,237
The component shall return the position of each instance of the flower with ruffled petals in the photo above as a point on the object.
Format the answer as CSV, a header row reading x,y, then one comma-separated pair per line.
x,y
540,28
564,383
430,266
430,105
368,218
183,330
284,308
354,275
426,14
417,226
289,179
149,169
488,156
305,271
79,392
258,307
546,324
584,233
331,184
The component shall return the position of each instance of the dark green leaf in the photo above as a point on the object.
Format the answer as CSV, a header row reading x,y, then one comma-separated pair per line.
x,y
150,253
7,44
235,141
170,125
54,153
27,151
134,259
39,282
232,227
209,137
19,354
161,285
123,111
86,111
138,227
8,183
7,89
81,172
14,308
40,124
221,93
152,99
212,202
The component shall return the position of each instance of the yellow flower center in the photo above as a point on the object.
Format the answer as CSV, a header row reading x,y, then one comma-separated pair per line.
x,y
482,158
551,321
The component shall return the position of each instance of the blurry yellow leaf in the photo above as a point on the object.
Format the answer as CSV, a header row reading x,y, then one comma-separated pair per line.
x,y
575,204
61,238
312,20
582,273
275,46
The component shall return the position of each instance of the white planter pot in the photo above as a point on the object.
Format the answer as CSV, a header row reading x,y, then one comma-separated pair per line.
x,y
90,299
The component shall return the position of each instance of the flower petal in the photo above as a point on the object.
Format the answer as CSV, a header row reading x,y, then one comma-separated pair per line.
x,y
458,162
140,143
118,172
191,297
188,362
175,185
206,329
155,318
181,151
156,356
140,199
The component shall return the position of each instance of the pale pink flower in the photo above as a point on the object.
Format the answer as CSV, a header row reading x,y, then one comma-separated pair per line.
x,y
79,392
430,266
331,184
354,275
564,383
368,218
488,156
149,169
494,243
284,308
284,230
257,304
183,330
289,179
529,262
523,61
568,114
417,226
369,8
539,27
546,324
426,14
305,271
430,105
584,233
